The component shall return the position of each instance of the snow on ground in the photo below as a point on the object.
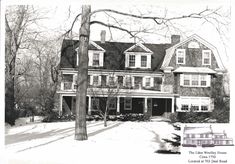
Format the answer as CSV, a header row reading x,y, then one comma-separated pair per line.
x,y
120,142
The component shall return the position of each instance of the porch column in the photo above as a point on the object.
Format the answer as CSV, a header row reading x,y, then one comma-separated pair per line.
x,y
145,105
172,105
118,105
89,105
61,105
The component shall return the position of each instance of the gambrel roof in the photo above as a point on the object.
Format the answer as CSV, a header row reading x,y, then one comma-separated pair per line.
x,y
170,51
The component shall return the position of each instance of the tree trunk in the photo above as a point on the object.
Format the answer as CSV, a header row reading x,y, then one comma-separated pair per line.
x,y
80,123
105,117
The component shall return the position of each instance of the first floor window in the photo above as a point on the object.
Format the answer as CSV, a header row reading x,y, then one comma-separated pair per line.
x,y
112,104
132,60
184,107
143,61
127,104
204,108
95,104
95,80
96,59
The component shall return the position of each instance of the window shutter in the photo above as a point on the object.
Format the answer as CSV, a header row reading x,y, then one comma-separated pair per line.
x,y
151,82
99,78
181,79
132,81
127,60
91,80
90,58
208,83
101,58
124,81
144,81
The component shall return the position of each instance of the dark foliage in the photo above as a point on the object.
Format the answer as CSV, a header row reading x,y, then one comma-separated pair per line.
x,y
166,152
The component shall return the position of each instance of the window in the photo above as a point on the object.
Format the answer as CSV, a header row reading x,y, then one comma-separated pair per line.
x,y
203,80
128,81
127,104
132,61
147,81
143,61
120,80
204,108
193,136
195,80
184,107
187,80
201,135
195,107
206,57
180,56
112,104
95,80
94,104
111,81
138,81
67,80
96,59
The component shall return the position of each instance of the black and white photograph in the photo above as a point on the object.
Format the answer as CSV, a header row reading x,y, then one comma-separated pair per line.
x,y
115,82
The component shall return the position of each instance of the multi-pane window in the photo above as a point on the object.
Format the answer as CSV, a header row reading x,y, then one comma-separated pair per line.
x,y
204,107
112,104
184,107
94,104
128,81
143,61
120,80
186,79
180,56
111,81
195,80
67,80
127,103
147,81
96,59
95,80
203,80
194,107
132,60
206,57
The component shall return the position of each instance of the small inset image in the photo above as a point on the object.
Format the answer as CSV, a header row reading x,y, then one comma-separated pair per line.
x,y
205,136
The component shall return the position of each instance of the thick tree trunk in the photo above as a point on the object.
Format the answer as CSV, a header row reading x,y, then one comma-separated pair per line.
x,y
80,123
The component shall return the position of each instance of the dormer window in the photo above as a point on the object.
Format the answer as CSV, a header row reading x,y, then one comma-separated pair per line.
x,y
96,59
180,56
132,61
143,61
206,57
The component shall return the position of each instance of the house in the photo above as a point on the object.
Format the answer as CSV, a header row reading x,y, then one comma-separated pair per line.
x,y
152,79
205,136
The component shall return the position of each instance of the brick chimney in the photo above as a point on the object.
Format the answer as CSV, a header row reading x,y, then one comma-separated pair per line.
x,y
175,39
102,36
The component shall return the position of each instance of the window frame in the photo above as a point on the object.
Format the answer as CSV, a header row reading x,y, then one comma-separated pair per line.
x,y
204,52
190,78
143,63
130,103
95,103
180,52
96,59
132,59
94,80
147,82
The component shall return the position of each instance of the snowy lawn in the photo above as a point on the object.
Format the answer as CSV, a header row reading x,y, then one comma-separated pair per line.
x,y
120,142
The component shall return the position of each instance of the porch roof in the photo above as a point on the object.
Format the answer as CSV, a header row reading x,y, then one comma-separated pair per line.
x,y
204,70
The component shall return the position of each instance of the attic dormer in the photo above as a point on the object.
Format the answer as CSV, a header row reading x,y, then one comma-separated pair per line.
x,y
95,55
138,56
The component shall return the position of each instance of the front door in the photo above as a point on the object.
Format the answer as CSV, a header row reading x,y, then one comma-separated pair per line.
x,y
160,106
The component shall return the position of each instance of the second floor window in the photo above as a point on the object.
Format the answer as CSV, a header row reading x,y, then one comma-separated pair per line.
x,y
96,59
187,80
143,61
180,56
95,80
132,61
111,81
195,80
203,80
128,81
147,81
206,57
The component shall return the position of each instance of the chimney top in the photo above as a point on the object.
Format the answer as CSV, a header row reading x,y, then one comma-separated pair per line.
x,y
175,39
102,36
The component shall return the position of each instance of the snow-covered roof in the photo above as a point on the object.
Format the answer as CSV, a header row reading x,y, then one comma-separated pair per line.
x,y
197,130
194,70
170,51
